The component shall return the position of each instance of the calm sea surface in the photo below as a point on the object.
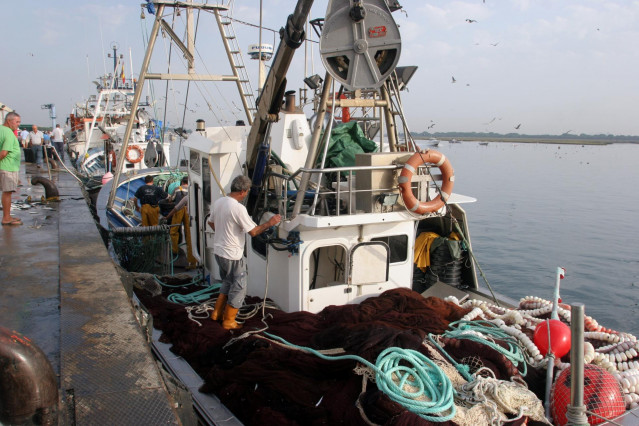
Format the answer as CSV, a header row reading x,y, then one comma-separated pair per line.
x,y
541,206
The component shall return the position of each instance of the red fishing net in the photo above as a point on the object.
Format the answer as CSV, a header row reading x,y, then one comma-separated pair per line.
x,y
263,382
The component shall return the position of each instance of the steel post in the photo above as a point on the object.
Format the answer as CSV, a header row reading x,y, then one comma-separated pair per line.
x,y
576,412
136,102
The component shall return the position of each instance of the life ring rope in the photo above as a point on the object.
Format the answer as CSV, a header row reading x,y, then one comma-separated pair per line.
x,y
437,159
138,150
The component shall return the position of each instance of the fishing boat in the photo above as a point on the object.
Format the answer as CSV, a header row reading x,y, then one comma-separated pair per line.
x,y
98,125
364,303
116,214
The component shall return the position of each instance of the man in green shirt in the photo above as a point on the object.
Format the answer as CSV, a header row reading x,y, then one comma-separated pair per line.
x,y
9,165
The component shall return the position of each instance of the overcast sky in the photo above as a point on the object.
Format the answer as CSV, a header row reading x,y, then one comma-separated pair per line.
x,y
550,66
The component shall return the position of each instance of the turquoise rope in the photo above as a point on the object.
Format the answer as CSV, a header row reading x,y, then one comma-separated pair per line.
x,y
463,369
195,297
196,279
198,296
460,329
410,367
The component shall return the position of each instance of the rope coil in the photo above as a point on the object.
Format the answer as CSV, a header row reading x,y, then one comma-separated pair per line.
x,y
417,384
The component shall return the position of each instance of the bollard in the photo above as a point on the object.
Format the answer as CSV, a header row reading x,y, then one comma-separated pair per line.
x,y
28,385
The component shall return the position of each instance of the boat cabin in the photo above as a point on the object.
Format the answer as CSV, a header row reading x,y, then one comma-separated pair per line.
x,y
352,239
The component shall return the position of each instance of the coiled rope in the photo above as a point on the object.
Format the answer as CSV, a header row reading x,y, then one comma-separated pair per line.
x,y
407,377
199,296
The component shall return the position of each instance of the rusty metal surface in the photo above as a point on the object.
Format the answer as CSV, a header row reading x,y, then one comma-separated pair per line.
x,y
61,289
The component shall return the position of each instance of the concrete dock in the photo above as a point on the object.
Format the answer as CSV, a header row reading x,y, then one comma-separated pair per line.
x,y
61,290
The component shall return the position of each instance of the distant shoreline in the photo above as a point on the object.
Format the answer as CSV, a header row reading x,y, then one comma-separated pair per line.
x,y
530,140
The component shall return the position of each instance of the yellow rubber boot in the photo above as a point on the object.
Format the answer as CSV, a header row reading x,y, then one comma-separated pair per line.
x,y
229,318
217,313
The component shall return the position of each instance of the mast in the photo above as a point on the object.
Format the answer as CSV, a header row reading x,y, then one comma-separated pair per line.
x,y
269,102
188,50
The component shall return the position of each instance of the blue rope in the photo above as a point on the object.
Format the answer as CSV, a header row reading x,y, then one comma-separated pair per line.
x,y
198,296
195,297
408,367
196,279
464,330
463,369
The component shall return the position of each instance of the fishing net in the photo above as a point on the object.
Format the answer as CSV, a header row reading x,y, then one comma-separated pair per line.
x,y
143,249
263,381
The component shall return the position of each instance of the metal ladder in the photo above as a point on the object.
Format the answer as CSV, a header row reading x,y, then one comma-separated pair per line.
x,y
237,64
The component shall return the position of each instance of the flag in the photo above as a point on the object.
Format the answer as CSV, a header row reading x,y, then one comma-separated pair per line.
x,y
562,273
122,75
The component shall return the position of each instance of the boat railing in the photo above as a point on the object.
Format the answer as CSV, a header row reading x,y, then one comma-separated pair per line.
x,y
340,193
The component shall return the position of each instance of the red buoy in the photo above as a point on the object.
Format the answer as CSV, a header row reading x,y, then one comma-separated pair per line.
x,y
602,395
559,337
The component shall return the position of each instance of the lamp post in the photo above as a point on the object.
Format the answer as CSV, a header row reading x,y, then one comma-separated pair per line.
x,y
51,108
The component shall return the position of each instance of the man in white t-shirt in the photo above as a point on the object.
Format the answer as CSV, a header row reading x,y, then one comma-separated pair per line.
x,y
231,222
57,137
24,135
35,141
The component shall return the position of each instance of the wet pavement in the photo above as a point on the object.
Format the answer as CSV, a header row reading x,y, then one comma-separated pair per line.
x,y
61,289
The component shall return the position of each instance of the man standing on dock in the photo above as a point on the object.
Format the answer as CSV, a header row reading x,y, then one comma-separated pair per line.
x,y
9,165
35,142
24,135
149,196
230,221
57,137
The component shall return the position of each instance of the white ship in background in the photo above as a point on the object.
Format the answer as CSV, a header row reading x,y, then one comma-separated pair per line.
x,y
97,126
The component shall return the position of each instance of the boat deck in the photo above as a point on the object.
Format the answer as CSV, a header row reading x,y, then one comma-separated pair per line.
x,y
61,290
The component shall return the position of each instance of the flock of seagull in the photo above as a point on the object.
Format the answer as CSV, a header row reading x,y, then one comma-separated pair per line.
x,y
454,80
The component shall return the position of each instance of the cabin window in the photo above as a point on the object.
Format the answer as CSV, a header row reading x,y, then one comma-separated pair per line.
x,y
194,160
328,266
258,244
196,192
369,263
206,181
398,247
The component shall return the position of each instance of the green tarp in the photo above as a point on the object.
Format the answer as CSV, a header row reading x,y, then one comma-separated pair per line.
x,y
347,140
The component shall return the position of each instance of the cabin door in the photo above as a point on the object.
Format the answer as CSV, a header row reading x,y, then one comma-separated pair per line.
x,y
327,269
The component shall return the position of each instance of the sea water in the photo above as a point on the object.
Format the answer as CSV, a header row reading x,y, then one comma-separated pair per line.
x,y
543,206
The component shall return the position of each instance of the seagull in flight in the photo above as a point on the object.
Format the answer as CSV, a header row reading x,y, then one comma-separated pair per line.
x,y
431,126
454,81
470,21
518,126
494,44
494,118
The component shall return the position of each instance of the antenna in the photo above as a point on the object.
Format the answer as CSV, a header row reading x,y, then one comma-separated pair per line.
x,y
262,52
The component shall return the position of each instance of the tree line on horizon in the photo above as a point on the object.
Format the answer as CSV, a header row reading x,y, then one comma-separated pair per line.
x,y
488,135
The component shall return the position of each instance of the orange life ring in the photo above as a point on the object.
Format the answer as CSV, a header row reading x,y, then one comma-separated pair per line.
x,y
406,175
138,158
